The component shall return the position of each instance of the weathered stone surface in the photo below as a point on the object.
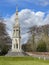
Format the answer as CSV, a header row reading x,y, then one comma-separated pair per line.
x,y
16,54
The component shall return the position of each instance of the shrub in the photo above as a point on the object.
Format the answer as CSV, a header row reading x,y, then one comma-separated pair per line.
x,y
41,47
4,50
27,47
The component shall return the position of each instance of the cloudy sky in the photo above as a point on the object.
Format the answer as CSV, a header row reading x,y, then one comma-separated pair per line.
x,y
31,12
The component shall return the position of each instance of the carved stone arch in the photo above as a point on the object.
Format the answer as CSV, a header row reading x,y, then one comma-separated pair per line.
x,y
16,43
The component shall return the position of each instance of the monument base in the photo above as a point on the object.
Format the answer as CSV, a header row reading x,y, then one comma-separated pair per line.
x,y
16,54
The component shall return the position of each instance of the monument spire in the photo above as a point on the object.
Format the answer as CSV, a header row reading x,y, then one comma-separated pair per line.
x,y
16,46
16,17
16,10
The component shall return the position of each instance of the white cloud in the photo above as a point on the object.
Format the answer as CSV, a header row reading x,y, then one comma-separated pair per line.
x,y
24,38
39,13
28,18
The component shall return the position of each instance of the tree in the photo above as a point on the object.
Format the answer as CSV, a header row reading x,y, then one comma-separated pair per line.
x,y
31,40
36,34
4,37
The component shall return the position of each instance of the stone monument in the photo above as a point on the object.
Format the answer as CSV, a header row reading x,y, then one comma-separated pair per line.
x,y
16,39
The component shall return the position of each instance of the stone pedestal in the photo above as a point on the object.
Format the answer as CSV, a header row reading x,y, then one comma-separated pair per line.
x,y
16,54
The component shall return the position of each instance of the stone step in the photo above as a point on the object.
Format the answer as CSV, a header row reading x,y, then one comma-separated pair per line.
x,y
16,54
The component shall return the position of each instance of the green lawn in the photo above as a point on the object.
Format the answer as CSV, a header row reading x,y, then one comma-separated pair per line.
x,y
22,61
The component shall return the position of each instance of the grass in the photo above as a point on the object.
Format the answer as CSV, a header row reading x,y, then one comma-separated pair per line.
x,y
22,61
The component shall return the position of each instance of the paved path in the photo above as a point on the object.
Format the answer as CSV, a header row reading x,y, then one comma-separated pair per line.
x,y
45,57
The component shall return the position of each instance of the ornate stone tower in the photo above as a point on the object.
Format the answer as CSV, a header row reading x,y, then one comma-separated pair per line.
x,y
16,43
16,46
